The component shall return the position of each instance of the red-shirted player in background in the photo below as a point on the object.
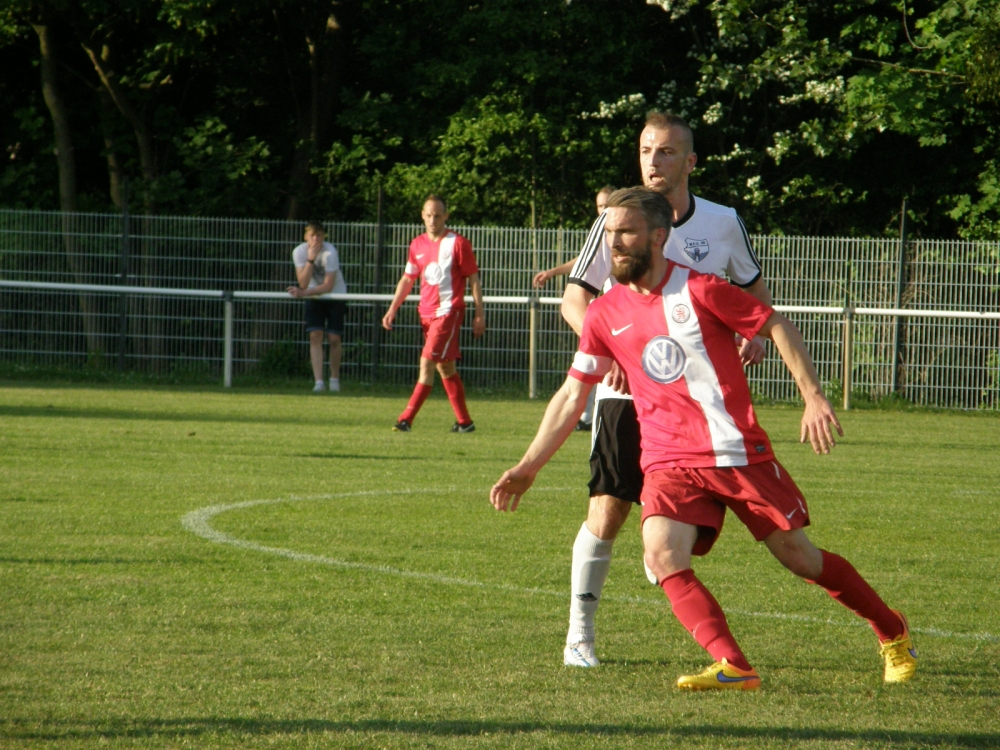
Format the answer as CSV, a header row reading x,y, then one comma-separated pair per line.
x,y
671,329
442,260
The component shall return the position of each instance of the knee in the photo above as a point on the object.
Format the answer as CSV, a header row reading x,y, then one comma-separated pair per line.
x,y
334,339
665,562
606,516
446,369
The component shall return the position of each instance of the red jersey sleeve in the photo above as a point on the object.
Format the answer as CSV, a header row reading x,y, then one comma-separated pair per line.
x,y
740,311
466,258
593,359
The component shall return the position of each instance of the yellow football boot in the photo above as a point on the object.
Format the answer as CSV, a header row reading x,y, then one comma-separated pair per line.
x,y
721,676
899,654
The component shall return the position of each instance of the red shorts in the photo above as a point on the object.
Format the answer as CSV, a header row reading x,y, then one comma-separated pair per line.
x,y
441,336
763,496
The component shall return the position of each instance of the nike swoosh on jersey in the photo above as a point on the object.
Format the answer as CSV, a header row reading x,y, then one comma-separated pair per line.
x,y
616,331
789,515
420,256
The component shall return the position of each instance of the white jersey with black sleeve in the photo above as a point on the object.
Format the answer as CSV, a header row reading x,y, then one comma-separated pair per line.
x,y
709,238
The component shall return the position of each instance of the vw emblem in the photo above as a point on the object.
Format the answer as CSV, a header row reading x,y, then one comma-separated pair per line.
x,y
433,274
663,359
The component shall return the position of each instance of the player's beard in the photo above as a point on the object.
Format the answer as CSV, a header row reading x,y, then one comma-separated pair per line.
x,y
634,266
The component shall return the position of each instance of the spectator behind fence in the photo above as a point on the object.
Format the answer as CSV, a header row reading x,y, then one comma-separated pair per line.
x,y
317,268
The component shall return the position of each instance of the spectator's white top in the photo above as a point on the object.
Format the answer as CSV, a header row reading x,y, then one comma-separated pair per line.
x,y
326,262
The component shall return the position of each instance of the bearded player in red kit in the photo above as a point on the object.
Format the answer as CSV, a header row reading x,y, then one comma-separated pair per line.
x,y
671,329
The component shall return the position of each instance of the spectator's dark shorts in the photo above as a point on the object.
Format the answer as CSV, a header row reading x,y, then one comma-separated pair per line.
x,y
325,314
614,457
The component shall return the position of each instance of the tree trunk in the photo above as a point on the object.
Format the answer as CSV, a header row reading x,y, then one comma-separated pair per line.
x,y
144,139
326,43
115,173
66,162
152,337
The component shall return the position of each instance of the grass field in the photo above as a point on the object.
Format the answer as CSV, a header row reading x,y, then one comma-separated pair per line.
x,y
249,570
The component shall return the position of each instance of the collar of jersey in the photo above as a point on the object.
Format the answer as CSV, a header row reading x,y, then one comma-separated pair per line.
x,y
689,214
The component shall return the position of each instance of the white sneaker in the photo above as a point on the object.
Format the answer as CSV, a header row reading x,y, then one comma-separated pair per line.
x,y
580,655
319,387
334,385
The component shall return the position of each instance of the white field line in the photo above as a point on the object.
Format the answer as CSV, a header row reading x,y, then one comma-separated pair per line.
x,y
198,523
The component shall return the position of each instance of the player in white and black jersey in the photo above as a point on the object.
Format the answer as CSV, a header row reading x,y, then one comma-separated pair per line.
x,y
707,237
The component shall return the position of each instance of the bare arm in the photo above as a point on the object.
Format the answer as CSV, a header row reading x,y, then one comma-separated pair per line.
x,y
560,418
303,274
576,299
301,291
759,290
402,292
479,318
753,351
818,414
543,276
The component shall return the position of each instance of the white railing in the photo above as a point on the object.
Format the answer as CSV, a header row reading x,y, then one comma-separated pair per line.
x,y
848,316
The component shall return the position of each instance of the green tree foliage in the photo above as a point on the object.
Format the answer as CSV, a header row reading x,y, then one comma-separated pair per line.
x,y
810,116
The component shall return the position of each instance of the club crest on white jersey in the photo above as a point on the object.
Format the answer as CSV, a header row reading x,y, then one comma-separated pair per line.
x,y
680,313
433,274
663,359
696,250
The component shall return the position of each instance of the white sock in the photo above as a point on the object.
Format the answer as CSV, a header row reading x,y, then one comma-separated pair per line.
x,y
319,382
591,562
334,384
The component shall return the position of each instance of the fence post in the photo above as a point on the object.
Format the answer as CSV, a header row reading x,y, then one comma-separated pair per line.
x,y
848,355
227,346
897,338
533,347
376,318
123,268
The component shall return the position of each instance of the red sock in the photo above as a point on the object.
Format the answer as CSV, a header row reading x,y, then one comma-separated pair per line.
x,y
700,613
456,395
846,585
420,394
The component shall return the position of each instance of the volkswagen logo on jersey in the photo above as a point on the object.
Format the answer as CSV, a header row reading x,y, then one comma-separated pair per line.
x,y
433,274
663,359
681,313
696,250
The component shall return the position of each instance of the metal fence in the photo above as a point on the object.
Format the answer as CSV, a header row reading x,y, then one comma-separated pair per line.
x,y
945,361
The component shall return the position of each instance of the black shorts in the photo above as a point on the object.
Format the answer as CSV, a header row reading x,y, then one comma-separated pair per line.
x,y
614,459
325,314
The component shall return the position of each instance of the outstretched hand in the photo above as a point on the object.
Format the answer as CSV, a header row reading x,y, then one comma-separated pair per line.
x,y
506,493
816,421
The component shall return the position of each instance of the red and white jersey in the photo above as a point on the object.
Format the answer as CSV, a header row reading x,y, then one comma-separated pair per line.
x,y
442,268
676,345
709,238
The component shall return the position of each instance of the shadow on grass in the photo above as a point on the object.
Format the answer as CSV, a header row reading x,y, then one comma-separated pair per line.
x,y
359,457
187,728
168,416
